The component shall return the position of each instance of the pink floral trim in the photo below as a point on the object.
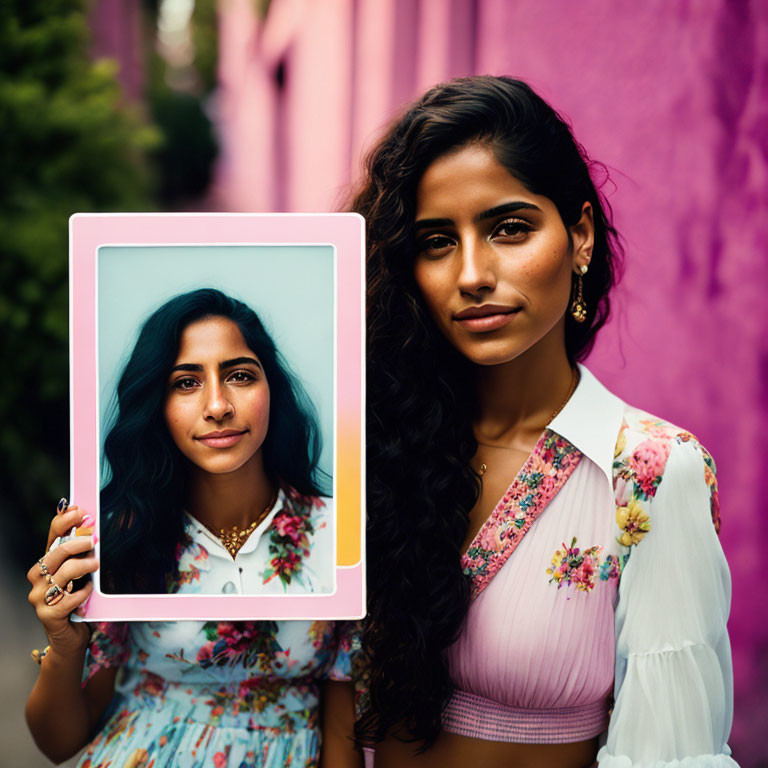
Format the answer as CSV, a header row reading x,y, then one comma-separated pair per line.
x,y
541,477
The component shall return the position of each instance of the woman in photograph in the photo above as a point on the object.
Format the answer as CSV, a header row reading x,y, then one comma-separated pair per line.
x,y
213,487
546,588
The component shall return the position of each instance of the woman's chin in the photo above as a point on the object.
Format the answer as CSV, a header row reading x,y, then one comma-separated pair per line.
x,y
490,353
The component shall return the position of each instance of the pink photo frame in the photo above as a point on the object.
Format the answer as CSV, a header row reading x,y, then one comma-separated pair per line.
x,y
344,233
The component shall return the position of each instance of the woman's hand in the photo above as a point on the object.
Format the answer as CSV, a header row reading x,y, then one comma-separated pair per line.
x,y
61,714
58,568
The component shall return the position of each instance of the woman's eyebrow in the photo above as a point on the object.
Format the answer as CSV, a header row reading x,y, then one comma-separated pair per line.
x,y
424,223
187,367
239,361
498,210
195,367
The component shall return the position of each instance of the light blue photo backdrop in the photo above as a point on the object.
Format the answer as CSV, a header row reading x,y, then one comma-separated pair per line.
x,y
290,288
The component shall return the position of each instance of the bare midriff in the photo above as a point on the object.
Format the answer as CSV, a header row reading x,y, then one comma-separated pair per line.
x,y
454,751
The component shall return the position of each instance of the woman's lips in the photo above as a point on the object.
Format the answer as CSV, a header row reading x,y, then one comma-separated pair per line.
x,y
490,321
225,439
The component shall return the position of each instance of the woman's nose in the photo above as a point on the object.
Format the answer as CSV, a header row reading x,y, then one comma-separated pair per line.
x,y
217,406
477,270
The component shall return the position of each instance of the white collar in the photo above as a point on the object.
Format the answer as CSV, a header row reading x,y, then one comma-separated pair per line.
x,y
591,420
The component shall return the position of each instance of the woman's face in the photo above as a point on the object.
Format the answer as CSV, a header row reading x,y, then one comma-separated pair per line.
x,y
217,402
494,261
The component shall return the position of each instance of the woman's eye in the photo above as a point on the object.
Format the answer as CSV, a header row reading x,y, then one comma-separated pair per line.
x,y
435,245
241,376
185,384
515,229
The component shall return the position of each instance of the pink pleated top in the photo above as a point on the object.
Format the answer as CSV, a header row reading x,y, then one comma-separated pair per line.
x,y
600,596
535,660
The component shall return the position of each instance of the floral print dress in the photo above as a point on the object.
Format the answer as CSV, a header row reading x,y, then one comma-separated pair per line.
x,y
206,694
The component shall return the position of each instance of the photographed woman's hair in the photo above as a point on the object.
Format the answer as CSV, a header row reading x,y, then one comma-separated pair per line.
x,y
420,394
142,504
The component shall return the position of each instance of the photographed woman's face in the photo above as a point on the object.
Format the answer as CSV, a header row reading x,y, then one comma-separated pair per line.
x,y
217,401
493,261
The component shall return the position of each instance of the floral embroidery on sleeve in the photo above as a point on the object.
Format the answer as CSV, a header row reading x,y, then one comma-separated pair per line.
x,y
289,538
571,566
633,521
108,647
638,469
637,473
710,478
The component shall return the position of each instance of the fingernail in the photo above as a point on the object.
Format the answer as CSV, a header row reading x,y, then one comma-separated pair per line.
x,y
88,520
62,505
95,538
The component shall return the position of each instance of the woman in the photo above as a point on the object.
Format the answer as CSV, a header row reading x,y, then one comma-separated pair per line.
x,y
214,488
546,587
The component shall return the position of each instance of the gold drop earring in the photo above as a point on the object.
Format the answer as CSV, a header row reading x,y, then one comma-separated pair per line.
x,y
578,306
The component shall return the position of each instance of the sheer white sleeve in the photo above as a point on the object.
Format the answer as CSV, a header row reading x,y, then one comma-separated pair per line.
x,y
674,682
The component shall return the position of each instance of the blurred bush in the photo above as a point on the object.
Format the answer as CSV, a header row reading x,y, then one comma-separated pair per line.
x,y
177,97
184,157
69,143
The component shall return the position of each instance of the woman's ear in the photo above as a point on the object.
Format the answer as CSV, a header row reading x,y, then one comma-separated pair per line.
x,y
583,238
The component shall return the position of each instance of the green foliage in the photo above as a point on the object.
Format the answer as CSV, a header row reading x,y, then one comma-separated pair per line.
x,y
69,143
206,42
184,159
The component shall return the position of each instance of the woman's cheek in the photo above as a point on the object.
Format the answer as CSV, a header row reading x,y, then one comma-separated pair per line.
x,y
259,408
435,289
177,416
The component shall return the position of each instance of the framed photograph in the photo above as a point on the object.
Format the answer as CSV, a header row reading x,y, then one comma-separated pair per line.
x,y
216,365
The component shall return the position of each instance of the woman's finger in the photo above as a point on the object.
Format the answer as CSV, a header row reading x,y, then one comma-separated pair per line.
x,y
58,610
76,547
62,524
73,568
55,618
50,562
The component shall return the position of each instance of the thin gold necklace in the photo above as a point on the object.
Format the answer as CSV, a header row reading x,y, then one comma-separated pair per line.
x,y
233,538
574,380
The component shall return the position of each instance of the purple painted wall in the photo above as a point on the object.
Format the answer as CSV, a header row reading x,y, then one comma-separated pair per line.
x,y
670,95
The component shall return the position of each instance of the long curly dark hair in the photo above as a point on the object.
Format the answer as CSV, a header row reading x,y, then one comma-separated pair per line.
x,y
142,503
420,484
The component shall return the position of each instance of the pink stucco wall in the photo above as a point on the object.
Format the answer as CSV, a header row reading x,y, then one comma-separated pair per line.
x,y
670,95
